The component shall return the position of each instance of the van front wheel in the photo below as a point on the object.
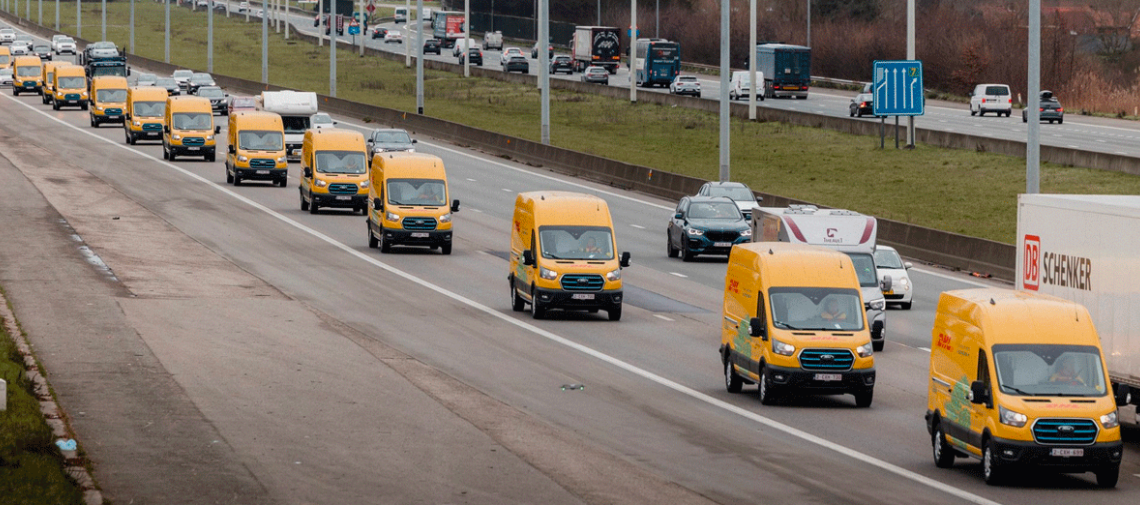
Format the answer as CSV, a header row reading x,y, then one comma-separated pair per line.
x,y
764,389
991,470
517,303
615,312
864,399
1107,477
537,311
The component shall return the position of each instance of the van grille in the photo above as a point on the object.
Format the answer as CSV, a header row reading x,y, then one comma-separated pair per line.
x,y
826,359
350,189
113,112
1064,431
152,127
71,96
582,282
419,223
262,163
193,141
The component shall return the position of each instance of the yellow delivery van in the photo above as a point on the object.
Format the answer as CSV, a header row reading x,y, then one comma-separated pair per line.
x,y
145,114
108,99
27,74
563,254
69,87
47,77
189,128
256,149
1018,380
794,323
409,195
5,57
334,170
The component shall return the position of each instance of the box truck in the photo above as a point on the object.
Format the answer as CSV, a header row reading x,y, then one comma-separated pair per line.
x,y
1085,248
295,108
596,45
786,69
448,27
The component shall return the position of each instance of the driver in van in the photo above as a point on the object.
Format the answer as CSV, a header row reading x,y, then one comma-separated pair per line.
x,y
1067,373
832,312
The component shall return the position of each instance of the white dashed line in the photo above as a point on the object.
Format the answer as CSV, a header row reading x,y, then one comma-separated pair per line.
x,y
638,226
678,274
508,190
475,210
927,349
661,317
472,180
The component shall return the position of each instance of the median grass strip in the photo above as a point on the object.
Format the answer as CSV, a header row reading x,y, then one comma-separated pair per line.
x,y
954,190
31,468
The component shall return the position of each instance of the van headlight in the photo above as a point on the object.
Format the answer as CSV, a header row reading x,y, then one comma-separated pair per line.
x,y
614,275
138,123
1011,418
243,158
547,273
865,350
99,108
395,218
282,160
209,137
83,94
1109,420
321,183
782,348
446,218
879,304
694,231
365,184
176,136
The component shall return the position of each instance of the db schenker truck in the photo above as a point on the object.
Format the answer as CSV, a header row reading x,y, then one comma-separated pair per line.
x,y
1085,248
786,69
596,45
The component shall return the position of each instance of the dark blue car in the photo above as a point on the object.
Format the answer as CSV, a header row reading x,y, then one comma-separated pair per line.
x,y
706,225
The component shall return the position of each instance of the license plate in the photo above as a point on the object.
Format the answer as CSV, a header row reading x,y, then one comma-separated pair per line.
x,y
889,292
419,235
346,197
263,172
722,244
828,377
582,296
192,148
1067,453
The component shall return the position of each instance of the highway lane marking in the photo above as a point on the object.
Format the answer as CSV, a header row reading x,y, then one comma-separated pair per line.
x,y
927,349
659,316
472,180
475,210
508,190
638,226
679,274
521,324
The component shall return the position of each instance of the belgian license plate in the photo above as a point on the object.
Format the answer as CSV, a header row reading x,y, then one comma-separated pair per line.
x,y
192,148
419,235
722,244
582,296
828,377
1067,453
263,172
343,197
889,292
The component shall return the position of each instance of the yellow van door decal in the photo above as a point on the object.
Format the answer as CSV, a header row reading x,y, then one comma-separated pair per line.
x,y
958,409
743,340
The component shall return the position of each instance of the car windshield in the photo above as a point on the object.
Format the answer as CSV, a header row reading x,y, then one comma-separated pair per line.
x,y
426,192
28,71
243,103
150,109
715,210
102,45
576,242
340,162
1049,370
735,193
596,70
321,119
295,124
997,90
146,78
42,48
865,269
396,137
886,258
261,140
826,309
111,95
72,82
201,78
182,73
211,93
193,120
67,40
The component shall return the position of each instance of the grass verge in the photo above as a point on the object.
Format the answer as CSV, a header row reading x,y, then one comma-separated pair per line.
x,y
954,190
31,468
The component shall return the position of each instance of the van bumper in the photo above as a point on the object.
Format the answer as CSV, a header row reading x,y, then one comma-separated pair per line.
x,y
853,381
262,174
1096,456
408,237
333,200
206,151
560,299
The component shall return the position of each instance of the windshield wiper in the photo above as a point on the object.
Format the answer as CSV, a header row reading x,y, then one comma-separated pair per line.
x,y
1023,393
785,325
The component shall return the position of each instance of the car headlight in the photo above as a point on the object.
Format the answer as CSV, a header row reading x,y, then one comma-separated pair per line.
x,y
1109,420
1011,418
694,231
547,273
782,348
283,160
614,275
176,136
446,218
411,150
321,183
395,218
904,282
746,233
865,350
879,304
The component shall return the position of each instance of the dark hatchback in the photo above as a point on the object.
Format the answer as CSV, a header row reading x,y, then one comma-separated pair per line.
x,y
1051,109
517,64
217,97
562,63
706,225
476,56
432,46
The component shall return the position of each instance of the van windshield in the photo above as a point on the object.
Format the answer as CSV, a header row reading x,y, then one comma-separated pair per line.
x,y
72,82
28,71
340,162
261,140
1049,370
192,120
425,192
576,242
865,269
150,109
295,124
111,95
5,59
826,309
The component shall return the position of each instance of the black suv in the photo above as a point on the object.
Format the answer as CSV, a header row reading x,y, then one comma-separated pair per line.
x,y
562,63
475,54
432,46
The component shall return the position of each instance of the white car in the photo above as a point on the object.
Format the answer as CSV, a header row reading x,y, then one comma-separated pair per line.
x,y
508,52
242,7
994,98
62,44
889,264
685,85
19,48
321,120
738,192
393,37
6,77
7,35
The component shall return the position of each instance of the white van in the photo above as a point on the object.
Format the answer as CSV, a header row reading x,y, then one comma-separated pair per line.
x,y
493,40
401,15
740,85
461,46
991,98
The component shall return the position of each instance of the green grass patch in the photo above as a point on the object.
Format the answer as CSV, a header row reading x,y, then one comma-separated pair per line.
x,y
31,468
954,190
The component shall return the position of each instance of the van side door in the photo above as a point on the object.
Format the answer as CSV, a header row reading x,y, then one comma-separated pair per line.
x,y
980,412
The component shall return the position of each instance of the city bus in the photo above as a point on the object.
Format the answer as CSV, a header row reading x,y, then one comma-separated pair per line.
x,y
658,62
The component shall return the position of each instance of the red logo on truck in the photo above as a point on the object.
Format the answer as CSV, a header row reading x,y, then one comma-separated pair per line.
x,y
1031,278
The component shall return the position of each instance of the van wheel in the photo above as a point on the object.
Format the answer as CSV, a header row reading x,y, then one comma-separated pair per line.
x,y
764,389
537,311
229,176
211,158
1107,477
615,312
83,106
943,454
991,469
312,204
54,105
445,249
372,242
171,155
304,204
94,123
517,303
732,382
385,246
879,345
864,399
165,153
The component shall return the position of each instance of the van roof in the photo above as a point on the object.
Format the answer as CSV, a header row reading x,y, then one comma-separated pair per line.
x,y
107,81
252,118
799,265
188,103
566,207
22,61
340,138
147,92
69,71
405,165
1016,317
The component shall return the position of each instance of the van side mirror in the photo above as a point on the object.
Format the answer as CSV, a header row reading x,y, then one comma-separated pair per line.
x,y
625,256
166,128
231,149
757,328
378,204
455,205
127,116
1123,394
885,284
217,130
908,265
307,172
978,393
528,258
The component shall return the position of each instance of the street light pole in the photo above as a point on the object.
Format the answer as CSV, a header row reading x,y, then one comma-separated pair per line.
x,y
808,23
657,24
332,47
407,23
104,13
753,86
209,39
633,51
910,56
724,71
78,18
166,52
419,57
544,67
264,43
1033,109
132,26
467,38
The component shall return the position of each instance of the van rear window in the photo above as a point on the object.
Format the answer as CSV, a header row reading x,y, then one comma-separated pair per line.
x,y
997,90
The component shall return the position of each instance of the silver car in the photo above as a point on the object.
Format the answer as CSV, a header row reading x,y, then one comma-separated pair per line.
x,y
384,140
6,77
685,85
7,35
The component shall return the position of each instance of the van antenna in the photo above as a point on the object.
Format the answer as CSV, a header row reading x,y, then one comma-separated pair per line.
x,y
992,302
543,197
770,251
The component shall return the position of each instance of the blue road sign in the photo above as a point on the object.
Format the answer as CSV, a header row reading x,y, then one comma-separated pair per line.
x,y
897,88
354,29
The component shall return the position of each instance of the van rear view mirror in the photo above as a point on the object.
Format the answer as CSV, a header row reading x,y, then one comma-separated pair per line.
x,y
377,204
625,257
455,205
528,258
217,130
757,328
978,393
